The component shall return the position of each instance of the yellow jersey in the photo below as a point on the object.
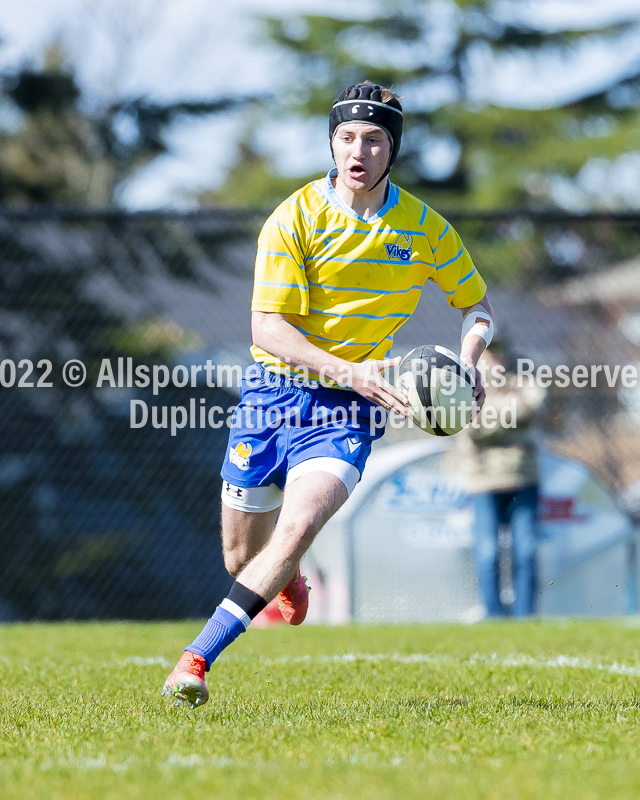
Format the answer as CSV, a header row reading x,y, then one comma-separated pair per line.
x,y
348,283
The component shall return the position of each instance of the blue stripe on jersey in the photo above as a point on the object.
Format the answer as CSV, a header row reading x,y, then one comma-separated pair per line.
x,y
302,211
451,260
324,259
290,231
275,253
466,277
359,230
283,285
361,316
339,230
412,233
446,228
366,291
424,214
337,341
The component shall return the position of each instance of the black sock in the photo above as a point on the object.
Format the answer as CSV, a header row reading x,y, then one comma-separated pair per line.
x,y
250,602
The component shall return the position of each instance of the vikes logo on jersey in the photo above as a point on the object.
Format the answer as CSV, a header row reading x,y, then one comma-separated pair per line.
x,y
240,455
402,247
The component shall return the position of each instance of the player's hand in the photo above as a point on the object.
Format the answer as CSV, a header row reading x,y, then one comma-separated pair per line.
x,y
479,395
367,380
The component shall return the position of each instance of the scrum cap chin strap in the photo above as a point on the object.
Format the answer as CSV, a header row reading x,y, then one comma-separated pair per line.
x,y
362,102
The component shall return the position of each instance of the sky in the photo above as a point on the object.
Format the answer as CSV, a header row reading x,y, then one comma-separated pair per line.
x,y
168,49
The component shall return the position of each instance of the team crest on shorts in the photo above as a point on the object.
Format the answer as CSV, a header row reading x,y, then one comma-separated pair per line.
x,y
401,248
240,455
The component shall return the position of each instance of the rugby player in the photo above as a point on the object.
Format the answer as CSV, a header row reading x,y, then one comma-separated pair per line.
x,y
340,267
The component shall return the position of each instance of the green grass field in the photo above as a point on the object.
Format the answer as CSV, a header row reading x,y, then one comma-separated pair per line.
x,y
535,709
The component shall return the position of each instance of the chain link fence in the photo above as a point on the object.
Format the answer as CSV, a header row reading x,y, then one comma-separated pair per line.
x,y
102,519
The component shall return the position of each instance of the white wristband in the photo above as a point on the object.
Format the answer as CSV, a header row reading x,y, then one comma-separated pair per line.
x,y
478,323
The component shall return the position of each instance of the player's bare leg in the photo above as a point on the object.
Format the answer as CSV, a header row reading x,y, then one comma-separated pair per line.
x,y
244,534
293,598
309,502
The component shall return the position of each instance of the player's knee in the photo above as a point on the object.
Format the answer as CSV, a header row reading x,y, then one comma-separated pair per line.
x,y
235,560
299,534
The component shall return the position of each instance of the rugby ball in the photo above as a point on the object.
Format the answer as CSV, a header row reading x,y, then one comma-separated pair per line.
x,y
439,388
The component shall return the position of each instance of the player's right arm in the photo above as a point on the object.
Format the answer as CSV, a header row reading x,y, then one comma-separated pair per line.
x,y
272,333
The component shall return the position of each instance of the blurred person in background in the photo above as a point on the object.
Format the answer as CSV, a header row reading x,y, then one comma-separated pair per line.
x,y
501,467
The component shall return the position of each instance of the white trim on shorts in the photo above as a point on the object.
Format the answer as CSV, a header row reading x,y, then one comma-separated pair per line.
x,y
252,499
346,472
260,499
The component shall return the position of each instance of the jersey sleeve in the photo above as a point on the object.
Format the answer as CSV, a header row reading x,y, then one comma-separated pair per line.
x,y
456,273
280,280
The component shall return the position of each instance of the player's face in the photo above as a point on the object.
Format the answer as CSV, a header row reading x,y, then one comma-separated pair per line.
x,y
362,154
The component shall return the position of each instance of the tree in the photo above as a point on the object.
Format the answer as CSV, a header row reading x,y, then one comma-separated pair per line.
x,y
62,153
463,150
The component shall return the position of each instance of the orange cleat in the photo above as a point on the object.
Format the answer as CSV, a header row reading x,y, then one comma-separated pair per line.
x,y
186,682
293,600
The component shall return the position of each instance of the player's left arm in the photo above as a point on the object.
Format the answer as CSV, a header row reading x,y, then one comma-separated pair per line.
x,y
455,273
476,329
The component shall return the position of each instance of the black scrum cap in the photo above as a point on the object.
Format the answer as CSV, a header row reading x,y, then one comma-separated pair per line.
x,y
362,102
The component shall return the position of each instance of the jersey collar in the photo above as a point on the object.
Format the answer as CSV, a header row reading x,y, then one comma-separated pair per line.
x,y
334,199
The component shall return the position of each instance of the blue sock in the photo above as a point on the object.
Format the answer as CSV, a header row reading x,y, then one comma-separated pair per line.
x,y
220,631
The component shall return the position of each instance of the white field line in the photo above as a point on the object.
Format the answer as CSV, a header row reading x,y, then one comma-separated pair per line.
x,y
142,661
194,760
101,762
513,660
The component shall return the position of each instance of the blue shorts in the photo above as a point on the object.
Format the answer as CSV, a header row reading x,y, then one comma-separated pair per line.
x,y
279,423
